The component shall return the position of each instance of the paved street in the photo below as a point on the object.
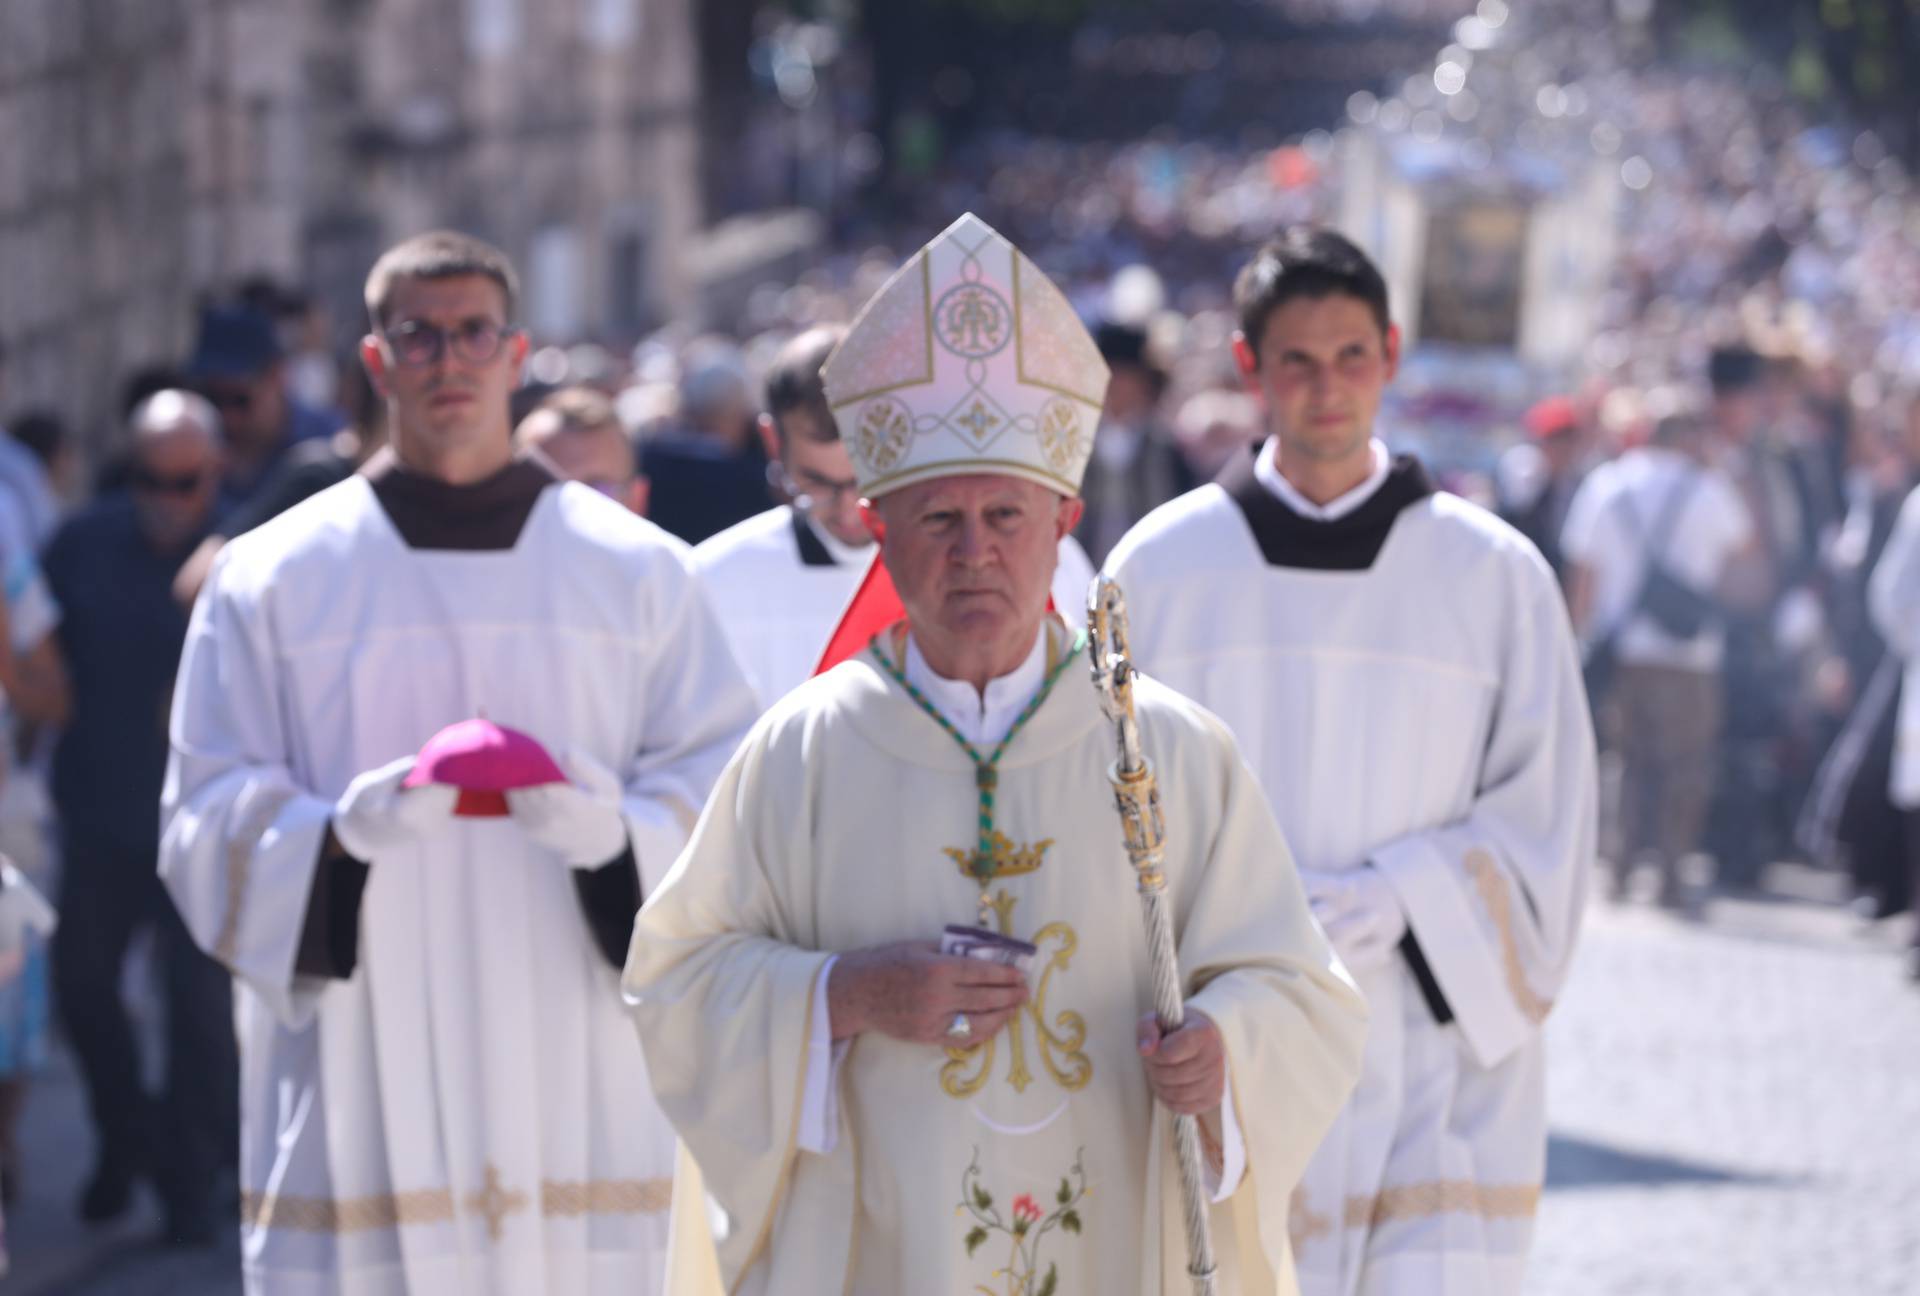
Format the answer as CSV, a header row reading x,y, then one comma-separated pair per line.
x,y
1735,1108
53,1255
1735,1104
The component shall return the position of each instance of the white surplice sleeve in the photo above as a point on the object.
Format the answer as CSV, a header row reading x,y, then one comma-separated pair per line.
x,y
697,707
820,1102
1233,1151
1893,589
1493,899
240,838
1893,600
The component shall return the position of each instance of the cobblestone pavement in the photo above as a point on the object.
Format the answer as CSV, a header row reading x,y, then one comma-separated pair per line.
x,y
1735,1106
54,1255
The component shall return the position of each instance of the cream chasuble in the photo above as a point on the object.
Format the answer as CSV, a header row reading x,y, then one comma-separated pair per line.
x,y
467,1114
1404,682
1032,1162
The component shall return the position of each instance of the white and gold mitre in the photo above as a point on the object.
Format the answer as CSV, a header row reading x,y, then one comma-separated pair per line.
x,y
969,360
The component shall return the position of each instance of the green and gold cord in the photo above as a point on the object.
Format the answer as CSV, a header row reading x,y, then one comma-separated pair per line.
x,y
986,769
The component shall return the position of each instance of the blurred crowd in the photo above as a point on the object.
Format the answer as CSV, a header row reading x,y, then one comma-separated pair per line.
x,y
1716,483
1760,326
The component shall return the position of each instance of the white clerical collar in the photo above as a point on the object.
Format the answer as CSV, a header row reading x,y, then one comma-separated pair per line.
x,y
981,720
1266,468
845,555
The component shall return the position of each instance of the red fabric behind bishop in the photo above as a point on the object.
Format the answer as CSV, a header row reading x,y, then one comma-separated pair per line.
x,y
873,607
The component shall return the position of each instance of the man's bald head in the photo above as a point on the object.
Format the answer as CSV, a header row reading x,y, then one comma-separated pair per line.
x,y
172,413
177,461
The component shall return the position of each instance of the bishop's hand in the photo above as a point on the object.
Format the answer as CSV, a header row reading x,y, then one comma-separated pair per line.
x,y
1186,1068
376,816
581,820
911,991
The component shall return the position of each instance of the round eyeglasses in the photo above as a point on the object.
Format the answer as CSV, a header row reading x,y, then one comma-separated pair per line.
x,y
476,341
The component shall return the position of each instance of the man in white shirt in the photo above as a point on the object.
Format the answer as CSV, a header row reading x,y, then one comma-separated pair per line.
x,y
1659,510
1397,665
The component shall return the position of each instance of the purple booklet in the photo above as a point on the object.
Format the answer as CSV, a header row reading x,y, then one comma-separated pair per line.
x,y
978,942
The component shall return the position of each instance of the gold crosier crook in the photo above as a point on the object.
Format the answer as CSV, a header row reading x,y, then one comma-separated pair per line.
x,y
1137,797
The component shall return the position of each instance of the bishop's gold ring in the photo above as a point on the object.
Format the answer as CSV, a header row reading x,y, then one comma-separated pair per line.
x,y
960,1027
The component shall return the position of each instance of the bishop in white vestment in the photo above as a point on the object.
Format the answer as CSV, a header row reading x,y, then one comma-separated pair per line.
x,y
441,1095
1397,665
1019,1150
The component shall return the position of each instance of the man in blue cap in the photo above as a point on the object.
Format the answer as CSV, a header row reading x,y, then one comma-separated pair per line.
x,y
238,365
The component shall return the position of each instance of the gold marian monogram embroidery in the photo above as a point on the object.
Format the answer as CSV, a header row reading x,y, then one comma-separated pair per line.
x,y
1058,1040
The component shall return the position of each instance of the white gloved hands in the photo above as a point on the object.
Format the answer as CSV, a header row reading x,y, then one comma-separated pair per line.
x,y
375,816
1359,912
581,821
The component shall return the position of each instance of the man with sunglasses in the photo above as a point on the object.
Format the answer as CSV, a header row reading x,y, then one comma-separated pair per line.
x,y
781,579
441,1095
111,569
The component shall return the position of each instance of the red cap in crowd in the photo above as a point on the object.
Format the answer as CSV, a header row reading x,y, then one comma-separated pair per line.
x,y
1551,417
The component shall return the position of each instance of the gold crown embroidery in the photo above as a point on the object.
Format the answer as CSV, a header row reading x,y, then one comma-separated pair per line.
x,y
1007,861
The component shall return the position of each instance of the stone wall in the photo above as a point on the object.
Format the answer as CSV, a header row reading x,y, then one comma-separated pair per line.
x,y
94,197
567,134
154,150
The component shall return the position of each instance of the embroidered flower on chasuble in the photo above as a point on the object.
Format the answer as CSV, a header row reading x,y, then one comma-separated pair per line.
x,y
1024,1232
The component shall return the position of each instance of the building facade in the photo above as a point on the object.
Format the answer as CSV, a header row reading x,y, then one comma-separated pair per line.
x,y
152,151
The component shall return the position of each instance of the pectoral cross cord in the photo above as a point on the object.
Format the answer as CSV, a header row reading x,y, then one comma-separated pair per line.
x,y
986,769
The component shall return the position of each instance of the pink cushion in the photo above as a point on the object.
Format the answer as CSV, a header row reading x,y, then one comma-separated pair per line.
x,y
484,760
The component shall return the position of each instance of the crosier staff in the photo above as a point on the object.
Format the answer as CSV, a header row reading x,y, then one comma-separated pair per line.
x,y
1137,797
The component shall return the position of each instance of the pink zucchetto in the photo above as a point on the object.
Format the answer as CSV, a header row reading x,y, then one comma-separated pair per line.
x,y
485,761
